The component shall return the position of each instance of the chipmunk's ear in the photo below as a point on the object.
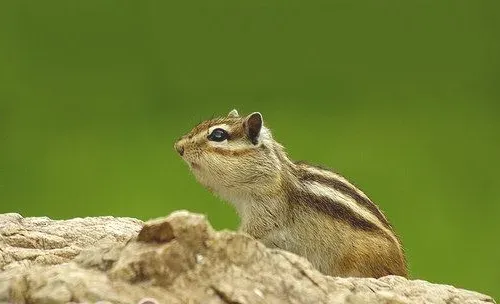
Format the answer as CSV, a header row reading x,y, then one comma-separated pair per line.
x,y
233,114
253,125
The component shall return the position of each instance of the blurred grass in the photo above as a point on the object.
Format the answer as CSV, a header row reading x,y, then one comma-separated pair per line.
x,y
401,97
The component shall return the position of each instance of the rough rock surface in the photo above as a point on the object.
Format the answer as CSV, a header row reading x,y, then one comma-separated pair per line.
x,y
177,259
40,240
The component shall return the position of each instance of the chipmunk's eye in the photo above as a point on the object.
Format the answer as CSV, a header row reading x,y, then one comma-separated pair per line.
x,y
218,135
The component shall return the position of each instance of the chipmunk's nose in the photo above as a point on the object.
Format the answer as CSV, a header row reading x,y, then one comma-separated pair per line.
x,y
179,149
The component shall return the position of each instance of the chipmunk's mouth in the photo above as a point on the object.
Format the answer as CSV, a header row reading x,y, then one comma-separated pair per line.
x,y
194,165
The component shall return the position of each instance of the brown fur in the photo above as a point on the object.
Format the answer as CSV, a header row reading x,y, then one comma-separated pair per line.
x,y
332,208
384,260
347,189
232,153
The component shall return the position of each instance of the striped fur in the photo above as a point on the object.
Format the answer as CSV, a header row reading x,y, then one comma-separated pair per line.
x,y
295,206
339,184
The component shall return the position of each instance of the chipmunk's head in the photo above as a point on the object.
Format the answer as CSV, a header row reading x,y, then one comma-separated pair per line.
x,y
230,152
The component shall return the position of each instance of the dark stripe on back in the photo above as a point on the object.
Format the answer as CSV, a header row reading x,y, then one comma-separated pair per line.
x,y
331,208
346,189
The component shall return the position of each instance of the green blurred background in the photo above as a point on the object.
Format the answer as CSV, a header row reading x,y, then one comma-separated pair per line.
x,y
402,97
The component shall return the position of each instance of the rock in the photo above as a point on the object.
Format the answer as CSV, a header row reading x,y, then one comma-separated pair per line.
x,y
177,259
41,241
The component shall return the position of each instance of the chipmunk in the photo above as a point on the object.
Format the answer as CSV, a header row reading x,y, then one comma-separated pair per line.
x,y
301,208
